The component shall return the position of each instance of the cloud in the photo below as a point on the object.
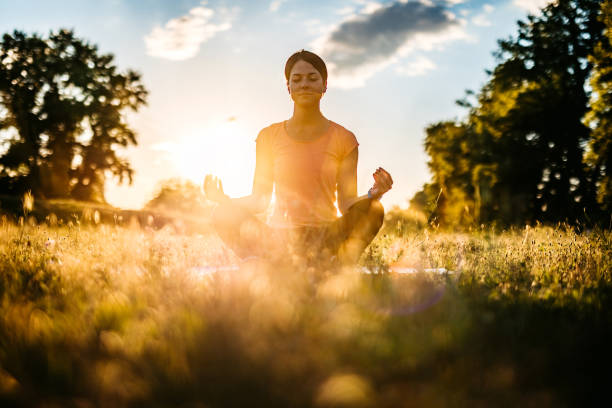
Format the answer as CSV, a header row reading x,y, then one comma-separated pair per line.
x,y
181,37
488,8
371,7
275,5
420,66
532,6
345,10
481,19
380,35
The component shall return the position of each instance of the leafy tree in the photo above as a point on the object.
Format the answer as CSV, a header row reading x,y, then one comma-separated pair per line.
x,y
599,152
448,146
63,106
546,66
518,156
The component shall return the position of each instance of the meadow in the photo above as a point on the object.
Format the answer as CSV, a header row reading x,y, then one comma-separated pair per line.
x,y
130,316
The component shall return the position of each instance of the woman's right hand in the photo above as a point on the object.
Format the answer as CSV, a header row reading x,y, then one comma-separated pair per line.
x,y
213,189
382,183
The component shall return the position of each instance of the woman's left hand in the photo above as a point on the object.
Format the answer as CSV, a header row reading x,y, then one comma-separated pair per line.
x,y
213,189
382,183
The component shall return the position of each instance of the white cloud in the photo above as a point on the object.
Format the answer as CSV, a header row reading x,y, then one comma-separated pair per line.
x,y
371,7
181,37
532,6
481,19
275,5
364,44
419,66
345,11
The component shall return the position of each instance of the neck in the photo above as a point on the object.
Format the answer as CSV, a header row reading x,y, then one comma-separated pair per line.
x,y
306,115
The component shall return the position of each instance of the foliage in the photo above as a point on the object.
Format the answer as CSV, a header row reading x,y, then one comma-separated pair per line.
x,y
599,153
518,156
111,316
63,105
178,196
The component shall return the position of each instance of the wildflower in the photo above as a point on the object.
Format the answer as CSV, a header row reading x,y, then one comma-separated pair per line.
x,y
50,243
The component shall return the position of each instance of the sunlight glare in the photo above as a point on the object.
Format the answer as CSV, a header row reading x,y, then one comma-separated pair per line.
x,y
224,149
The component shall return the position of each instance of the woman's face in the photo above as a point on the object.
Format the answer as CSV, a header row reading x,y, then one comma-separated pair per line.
x,y
305,84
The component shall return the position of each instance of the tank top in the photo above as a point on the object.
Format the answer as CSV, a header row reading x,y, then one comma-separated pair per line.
x,y
304,173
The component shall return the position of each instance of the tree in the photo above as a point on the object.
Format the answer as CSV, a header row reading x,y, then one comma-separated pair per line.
x,y
449,149
64,108
547,66
599,118
518,156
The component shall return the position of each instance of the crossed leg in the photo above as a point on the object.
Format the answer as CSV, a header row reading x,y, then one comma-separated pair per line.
x,y
351,234
347,237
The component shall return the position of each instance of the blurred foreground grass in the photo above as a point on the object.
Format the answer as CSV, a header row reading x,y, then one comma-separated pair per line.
x,y
114,316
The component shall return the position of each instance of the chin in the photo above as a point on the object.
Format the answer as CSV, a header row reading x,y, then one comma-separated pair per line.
x,y
307,100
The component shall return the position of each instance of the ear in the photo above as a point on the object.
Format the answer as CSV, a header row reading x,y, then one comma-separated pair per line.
x,y
288,88
325,87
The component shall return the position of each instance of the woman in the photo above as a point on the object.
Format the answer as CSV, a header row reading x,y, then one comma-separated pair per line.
x,y
308,160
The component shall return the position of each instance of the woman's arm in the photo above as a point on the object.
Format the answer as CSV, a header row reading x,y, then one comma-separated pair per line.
x,y
347,181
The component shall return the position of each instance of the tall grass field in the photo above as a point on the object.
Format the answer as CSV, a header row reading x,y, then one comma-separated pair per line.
x,y
130,316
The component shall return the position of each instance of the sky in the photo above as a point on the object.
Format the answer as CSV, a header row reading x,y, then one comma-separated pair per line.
x,y
214,71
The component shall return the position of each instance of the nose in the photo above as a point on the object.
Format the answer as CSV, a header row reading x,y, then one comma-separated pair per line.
x,y
305,86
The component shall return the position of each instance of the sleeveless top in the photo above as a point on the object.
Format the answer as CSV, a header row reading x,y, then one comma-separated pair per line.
x,y
304,173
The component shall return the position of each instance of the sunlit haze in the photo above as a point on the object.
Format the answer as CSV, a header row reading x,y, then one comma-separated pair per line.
x,y
214,70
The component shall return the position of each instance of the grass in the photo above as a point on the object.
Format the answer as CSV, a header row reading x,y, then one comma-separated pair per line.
x,y
126,316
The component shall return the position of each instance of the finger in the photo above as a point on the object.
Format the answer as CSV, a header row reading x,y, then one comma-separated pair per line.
x,y
382,176
386,178
206,182
387,175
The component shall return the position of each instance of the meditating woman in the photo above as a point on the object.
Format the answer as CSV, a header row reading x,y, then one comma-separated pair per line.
x,y
307,161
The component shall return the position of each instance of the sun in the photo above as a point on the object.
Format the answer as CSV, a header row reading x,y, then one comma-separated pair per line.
x,y
225,149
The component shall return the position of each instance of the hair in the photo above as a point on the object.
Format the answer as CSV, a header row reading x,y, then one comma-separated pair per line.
x,y
311,58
